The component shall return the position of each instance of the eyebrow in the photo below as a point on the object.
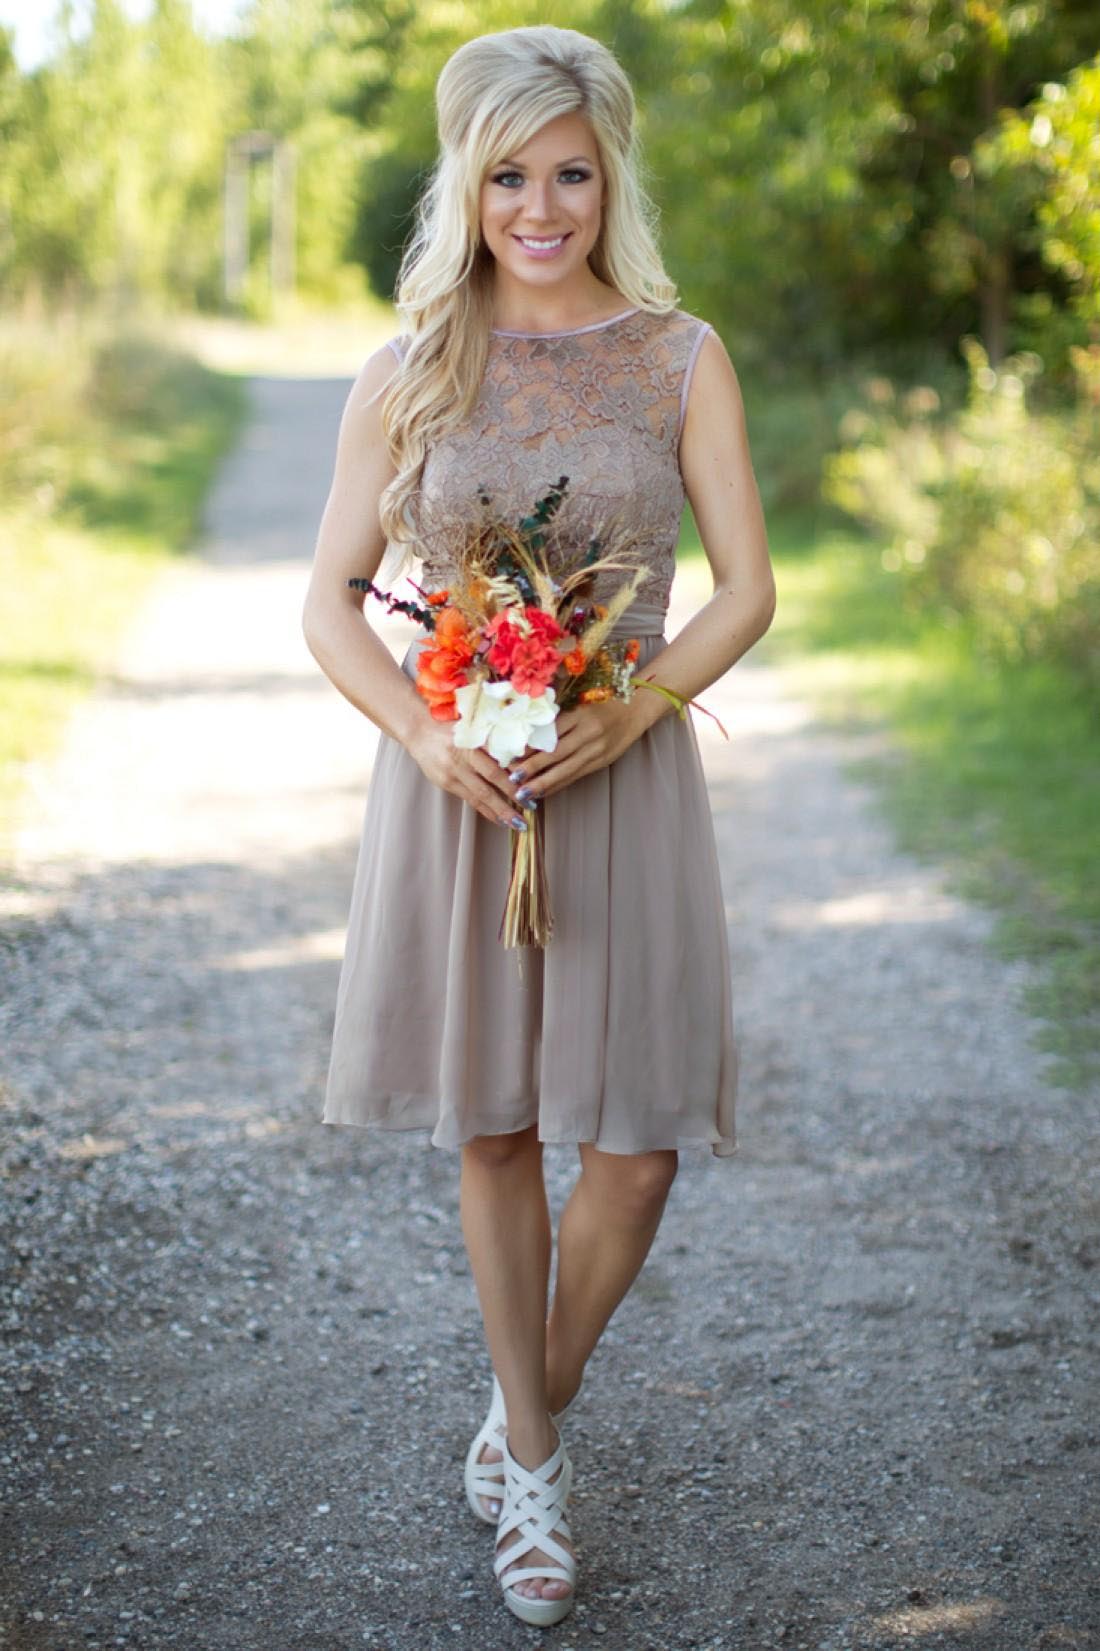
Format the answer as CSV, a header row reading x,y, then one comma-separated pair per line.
x,y
519,164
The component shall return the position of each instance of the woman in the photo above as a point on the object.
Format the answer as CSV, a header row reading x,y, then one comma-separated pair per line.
x,y
542,340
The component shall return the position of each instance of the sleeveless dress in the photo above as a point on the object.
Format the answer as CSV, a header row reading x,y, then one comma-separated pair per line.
x,y
619,1031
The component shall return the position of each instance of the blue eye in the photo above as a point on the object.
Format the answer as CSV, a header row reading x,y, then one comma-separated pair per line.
x,y
570,172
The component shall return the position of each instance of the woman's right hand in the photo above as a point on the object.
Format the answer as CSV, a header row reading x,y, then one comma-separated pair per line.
x,y
474,776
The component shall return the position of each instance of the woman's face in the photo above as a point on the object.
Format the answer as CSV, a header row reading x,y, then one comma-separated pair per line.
x,y
548,193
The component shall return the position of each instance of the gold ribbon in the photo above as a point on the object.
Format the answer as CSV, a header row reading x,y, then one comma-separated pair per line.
x,y
677,700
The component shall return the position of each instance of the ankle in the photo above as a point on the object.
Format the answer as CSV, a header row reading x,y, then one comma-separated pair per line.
x,y
532,1442
563,1383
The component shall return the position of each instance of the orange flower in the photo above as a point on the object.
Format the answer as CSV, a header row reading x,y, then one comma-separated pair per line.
x,y
590,694
435,597
632,650
441,664
574,661
450,626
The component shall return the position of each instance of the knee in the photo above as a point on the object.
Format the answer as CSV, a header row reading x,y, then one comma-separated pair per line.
x,y
637,1183
503,1151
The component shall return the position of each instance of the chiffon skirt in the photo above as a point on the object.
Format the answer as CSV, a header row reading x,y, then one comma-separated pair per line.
x,y
618,1032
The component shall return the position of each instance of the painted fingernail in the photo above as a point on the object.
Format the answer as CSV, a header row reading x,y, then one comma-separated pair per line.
x,y
519,822
516,775
524,796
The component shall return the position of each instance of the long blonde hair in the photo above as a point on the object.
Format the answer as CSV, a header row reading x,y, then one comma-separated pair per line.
x,y
492,95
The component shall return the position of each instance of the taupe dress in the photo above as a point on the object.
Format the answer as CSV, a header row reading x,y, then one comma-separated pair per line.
x,y
620,1030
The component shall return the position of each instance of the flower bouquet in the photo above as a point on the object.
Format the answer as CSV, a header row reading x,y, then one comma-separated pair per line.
x,y
513,645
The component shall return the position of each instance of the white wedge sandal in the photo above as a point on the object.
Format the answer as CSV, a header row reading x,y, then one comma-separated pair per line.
x,y
487,1478
534,1505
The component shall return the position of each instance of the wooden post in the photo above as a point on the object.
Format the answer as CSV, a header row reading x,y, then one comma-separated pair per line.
x,y
282,216
241,154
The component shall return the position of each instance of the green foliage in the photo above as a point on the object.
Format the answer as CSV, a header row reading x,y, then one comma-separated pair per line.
x,y
112,153
834,180
818,166
990,767
1053,150
108,441
43,387
993,518
297,65
111,175
89,407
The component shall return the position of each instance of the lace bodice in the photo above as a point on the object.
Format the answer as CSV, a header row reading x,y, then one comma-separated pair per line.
x,y
603,405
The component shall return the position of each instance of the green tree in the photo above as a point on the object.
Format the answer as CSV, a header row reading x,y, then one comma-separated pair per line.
x,y
1052,149
818,172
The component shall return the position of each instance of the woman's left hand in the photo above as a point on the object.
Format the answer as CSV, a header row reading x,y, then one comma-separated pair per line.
x,y
589,737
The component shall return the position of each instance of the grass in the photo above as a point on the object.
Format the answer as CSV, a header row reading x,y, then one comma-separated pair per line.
x,y
995,772
105,468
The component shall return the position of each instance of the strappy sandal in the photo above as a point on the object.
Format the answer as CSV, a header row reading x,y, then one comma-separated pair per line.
x,y
487,1478
534,1505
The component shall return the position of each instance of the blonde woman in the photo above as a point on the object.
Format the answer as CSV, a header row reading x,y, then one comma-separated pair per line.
x,y
542,339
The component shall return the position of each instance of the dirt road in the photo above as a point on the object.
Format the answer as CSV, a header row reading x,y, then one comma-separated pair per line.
x,y
852,1400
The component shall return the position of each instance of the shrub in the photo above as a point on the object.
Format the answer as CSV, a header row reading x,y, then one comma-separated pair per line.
x,y
992,517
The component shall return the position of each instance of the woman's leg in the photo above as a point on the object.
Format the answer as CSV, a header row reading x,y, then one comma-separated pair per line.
x,y
606,1229
506,1225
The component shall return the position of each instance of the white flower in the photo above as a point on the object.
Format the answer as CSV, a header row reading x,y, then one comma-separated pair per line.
x,y
492,714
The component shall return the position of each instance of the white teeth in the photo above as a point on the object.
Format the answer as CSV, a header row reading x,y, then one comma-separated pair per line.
x,y
539,245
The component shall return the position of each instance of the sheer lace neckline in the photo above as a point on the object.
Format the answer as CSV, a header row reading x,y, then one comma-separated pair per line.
x,y
564,332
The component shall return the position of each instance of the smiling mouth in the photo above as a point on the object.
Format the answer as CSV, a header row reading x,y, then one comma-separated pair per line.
x,y
540,242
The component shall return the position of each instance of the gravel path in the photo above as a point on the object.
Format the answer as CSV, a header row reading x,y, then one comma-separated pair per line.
x,y
852,1399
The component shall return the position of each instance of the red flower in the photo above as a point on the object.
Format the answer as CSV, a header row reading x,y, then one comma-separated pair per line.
x,y
533,666
543,624
535,658
505,638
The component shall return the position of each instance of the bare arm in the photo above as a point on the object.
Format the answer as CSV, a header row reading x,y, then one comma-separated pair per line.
x,y
718,476
717,469
351,544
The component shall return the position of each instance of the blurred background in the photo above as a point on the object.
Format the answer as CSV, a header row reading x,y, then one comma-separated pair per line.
x,y
889,210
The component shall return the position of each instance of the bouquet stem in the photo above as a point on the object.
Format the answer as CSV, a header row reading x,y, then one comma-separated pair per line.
x,y
527,919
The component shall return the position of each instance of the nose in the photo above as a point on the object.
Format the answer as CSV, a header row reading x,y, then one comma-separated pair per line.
x,y
537,206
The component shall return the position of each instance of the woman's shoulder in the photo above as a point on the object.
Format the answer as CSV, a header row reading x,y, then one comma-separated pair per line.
x,y
677,317
679,332
668,341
